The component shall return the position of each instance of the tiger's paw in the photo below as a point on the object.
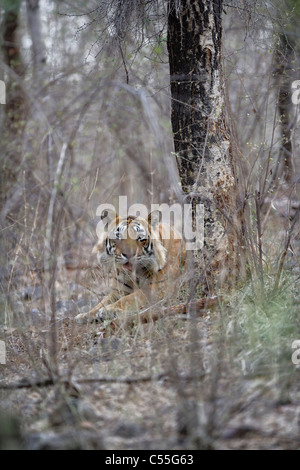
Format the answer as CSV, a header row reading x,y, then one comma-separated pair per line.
x,y
101,316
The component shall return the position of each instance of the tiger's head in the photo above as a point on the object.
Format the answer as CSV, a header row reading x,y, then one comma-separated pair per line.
x,y
131,243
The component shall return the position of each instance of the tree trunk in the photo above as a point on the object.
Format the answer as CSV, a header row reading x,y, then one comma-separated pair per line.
x,y
13,123
12,57
284,76
201,138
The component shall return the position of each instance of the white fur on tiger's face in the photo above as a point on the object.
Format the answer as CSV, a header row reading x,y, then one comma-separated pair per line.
x,y
132,245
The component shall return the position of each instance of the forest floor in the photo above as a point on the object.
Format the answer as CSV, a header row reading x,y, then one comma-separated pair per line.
x,y
223,380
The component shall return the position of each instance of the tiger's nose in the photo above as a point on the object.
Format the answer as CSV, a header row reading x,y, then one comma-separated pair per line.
x,y
128,254
126,249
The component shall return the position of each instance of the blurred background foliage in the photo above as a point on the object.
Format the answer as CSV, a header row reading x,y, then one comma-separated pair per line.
x,y
101,86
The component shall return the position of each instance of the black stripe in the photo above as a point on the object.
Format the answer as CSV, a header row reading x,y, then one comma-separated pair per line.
x,y
124,283
106,245
129,287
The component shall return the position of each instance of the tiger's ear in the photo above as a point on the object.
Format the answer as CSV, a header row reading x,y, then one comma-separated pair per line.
x,y
154,218
108,216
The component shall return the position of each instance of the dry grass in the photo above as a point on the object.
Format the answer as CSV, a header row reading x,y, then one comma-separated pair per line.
x,y
224,379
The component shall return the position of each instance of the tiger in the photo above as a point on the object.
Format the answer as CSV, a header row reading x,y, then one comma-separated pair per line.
x,y
145,258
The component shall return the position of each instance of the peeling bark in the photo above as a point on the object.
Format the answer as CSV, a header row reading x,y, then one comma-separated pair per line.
x,y
35,29
201,138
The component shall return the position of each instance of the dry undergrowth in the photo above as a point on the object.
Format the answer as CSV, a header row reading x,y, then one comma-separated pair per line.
x,y
220,379
178,383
